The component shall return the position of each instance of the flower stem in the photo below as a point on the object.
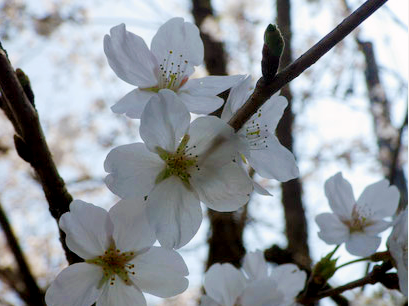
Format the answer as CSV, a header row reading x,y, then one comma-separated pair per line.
x,y
353,261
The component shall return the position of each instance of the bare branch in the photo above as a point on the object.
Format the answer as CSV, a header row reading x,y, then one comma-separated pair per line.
x,y
264,90
32,290
378,274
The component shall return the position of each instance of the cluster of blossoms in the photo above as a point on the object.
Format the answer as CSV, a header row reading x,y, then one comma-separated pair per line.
x,y
180,164
162,180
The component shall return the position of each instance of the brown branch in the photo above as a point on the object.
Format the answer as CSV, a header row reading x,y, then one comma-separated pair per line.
x,y
378,274
264,90
32,146
12,279
388,137
35,294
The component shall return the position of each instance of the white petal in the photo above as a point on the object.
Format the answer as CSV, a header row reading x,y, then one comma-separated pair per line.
x,y
274,161
210,85
76,285
377,227
133,170
164,122
161,272
260,189
363,245
289,279
255,265
224,283
133,103
237,96
340,196
174,212
223,189
271,112
262,293
381,198
200,104
130,58
131,227
121,295
177,40
332,230
398,247
208,301
213,141
88,229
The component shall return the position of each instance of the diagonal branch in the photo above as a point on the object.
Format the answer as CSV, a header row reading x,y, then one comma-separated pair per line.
x,y
264,90
31,144
34,293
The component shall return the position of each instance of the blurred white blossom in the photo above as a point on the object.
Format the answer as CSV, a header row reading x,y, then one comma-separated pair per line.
x,y
357,223
398,247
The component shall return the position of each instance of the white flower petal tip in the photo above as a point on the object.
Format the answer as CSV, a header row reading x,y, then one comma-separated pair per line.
x,y
398,247
120,260
262,150
357,223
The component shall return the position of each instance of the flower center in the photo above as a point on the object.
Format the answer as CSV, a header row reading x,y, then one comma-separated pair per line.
x,y
177,163
114,262
171,74
253,131
359,219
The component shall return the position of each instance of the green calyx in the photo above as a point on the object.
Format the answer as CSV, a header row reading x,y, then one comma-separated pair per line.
x,y
114,262
177,163
324,269
274,40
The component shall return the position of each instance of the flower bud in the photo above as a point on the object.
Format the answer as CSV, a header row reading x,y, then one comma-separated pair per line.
x,y
272,49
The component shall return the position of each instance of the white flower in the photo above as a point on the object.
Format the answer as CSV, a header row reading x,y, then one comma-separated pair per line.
x,y
175,50
227,286
179,165
398,247
263,152
287,278
120,261
357,223
255,285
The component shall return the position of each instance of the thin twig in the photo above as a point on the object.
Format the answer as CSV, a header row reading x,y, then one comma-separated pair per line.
x,y
264,90
34,292
377,274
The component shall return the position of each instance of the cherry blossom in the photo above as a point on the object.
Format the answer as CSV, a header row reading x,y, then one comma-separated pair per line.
x,y
398,247
357,223
254,285
179,165
264,152
119,259
175,50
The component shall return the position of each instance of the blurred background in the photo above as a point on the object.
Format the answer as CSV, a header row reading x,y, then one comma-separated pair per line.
x,y
347,113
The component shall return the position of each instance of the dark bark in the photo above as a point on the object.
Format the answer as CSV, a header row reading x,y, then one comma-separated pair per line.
x,y
32,294
388,137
